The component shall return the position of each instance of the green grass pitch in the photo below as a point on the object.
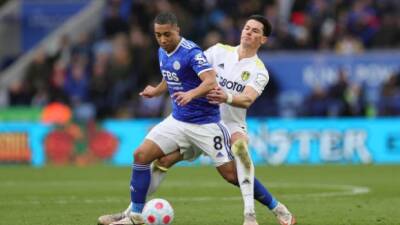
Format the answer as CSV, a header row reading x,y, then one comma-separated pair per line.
x,y
317,195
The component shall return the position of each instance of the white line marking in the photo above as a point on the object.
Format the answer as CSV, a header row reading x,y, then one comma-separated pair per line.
x,y
339,190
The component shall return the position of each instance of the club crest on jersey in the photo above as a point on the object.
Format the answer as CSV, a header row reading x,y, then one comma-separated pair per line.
x,y
245,75
176,65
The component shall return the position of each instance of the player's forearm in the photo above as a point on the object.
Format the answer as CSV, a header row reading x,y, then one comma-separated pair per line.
x,y
205,86
240,101
208,83
161,88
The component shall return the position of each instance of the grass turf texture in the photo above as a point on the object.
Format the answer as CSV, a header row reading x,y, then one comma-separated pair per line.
x,y
318,195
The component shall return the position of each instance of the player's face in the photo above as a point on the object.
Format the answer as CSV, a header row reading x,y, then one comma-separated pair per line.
x,y
167,36
253,34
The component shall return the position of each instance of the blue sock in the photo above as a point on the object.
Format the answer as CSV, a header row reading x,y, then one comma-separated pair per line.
x,y
262,195
140,182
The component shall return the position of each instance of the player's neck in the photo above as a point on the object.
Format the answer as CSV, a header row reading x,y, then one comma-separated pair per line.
x,y
244,52
175,46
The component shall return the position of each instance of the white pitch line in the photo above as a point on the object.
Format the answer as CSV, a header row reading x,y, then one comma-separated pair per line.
x,y
342,190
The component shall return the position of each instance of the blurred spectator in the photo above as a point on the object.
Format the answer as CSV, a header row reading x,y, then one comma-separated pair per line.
x,y
57,83
38,73
63,50
113,22
76,83
390,103
99,89
349,44
18,94
317,103
213,37
337,95
122,73
389,33
356,100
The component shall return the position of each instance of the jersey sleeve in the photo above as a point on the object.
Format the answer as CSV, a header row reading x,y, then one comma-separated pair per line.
x,y
259,81
210,54
199,62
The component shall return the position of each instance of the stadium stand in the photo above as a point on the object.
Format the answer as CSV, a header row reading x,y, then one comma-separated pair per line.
x,y
100,73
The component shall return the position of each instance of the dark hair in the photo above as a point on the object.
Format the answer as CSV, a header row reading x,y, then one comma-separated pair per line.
x,y
166,18
266,24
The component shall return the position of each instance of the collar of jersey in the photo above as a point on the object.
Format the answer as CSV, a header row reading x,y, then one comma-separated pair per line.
x,y
176,49
253,58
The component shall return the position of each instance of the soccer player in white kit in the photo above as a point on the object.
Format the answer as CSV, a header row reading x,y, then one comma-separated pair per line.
x,y
242,77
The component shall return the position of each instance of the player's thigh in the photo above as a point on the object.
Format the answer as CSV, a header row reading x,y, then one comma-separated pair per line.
x,y
147,152
168,135
213,139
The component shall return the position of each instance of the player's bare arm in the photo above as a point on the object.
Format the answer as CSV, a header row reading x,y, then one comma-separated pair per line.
x,y
242,100
208,83
150,91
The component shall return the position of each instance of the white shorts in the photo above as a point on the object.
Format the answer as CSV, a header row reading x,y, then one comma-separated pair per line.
x,y
236,127
212,139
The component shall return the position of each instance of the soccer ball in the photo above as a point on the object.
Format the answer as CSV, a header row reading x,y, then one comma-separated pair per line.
x,y
158,212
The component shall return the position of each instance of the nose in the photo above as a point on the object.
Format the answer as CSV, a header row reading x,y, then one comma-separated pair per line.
x,y
163,40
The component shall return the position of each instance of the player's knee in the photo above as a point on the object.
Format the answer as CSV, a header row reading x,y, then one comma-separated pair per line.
x,y
140,157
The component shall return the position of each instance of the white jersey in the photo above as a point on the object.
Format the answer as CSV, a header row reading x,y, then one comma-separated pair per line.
x,y
233,76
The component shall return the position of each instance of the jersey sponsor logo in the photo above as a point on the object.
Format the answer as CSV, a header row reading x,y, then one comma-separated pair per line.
x,y
245,75
222,66
176,65
231,85
261,79
200,59
170,76
219,155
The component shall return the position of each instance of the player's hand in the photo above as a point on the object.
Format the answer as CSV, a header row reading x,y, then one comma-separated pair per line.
x,y
216,96
182,98
148,92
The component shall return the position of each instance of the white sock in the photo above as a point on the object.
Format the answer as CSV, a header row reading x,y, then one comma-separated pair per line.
x,y
245,173
158,174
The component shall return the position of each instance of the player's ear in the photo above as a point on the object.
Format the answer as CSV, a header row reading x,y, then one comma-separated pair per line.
x,y
264,39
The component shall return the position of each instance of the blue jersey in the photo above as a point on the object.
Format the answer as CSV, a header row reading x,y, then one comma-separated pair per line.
x,y
180,70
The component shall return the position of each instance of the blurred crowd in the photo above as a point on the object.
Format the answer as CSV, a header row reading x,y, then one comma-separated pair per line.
x,y
100,74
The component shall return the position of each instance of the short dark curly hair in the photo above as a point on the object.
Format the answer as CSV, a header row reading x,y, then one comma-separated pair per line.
x,y
267,25
166,18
